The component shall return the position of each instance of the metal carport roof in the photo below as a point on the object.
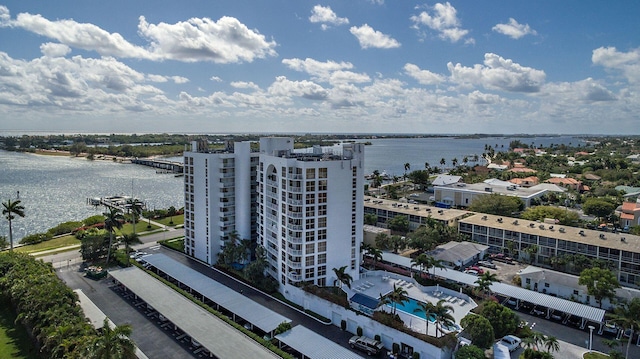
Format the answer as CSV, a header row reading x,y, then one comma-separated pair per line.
x,y
313,345
217,336
555,303
258,315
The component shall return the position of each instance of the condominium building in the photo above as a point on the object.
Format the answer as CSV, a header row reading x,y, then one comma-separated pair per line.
x,y
310,215
220,188
552,241
417,214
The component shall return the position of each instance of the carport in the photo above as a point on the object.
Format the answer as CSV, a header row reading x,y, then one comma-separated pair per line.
x,y
239,305
313,345
215,335
586,312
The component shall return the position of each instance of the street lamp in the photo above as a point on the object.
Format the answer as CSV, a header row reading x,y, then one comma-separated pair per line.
x,y
591,328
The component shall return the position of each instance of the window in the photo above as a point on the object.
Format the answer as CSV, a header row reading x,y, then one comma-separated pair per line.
x,y
322,270
322,222
528,281
322,234
310,223
311,186
322,259
309,273
309,261
322,246
546,285
311,173
311,198
322,173
322,185
322,198
322,210
310,249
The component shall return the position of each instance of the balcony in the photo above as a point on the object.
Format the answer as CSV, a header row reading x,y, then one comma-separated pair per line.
x,y
295,189
293,264
295,214
295,277
294,252
294,176
295,202
292,239
294,227
271,183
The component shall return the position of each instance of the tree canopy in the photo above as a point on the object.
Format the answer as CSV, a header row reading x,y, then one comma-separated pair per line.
x,y
470,352
399,223
539,213
503,320
601,283
497,204
479,329
598,207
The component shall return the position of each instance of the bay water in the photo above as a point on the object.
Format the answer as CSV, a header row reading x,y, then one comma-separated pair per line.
x,y
55,189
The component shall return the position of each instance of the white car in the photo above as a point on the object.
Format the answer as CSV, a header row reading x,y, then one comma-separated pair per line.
x,y
511,342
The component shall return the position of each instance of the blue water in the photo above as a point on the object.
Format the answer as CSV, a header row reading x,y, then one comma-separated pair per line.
x,y
410,306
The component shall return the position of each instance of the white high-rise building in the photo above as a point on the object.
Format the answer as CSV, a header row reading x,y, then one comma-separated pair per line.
x,y
305,209
220,197
310,211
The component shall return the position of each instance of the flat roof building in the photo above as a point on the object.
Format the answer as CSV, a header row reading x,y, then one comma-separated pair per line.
x,y
502,234
310,215
418,214
463,194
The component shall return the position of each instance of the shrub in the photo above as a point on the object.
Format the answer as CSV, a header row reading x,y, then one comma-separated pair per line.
x,y
90,221
36,238
64,228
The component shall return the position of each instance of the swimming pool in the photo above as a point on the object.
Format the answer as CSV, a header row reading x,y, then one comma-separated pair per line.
x,y
410,306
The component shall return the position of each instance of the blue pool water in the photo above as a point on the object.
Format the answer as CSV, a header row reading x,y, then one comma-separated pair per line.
x,y
410,306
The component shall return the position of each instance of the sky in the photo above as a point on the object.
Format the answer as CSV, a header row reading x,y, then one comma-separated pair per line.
x,y
295,66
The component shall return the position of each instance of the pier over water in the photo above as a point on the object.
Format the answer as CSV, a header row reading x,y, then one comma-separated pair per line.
x,y
175,167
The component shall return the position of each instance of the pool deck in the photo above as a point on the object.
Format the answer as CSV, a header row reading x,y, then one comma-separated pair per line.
x,y
374,284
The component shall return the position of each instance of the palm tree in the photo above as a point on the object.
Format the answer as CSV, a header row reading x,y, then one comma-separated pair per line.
x,y
113,343
551,343
454,162
113,220
434,263
10,211
420,262
171,212
443,161
129,239
376,255
427,308
342,277
135,207
628,317
376,179
393,298
485,280
443,315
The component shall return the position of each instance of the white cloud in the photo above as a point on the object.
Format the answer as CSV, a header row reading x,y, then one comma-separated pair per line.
x,y
584,91
479,98
224,41
444,20
498,73
307,89
215,79
316,68
54,50
84,36
325,15
513,29
626,62
368,37
424,77
244,85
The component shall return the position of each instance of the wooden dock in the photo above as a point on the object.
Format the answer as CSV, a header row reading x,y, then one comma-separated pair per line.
x,y
122,203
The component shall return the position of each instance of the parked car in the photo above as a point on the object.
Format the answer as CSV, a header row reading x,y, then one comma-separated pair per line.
x,y
539,311
574,321
557,315
487,264
511,342
511,302
371,346
610,328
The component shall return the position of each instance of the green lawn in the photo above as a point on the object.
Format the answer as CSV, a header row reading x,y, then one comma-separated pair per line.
x,y
14,342
177,220
58,242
